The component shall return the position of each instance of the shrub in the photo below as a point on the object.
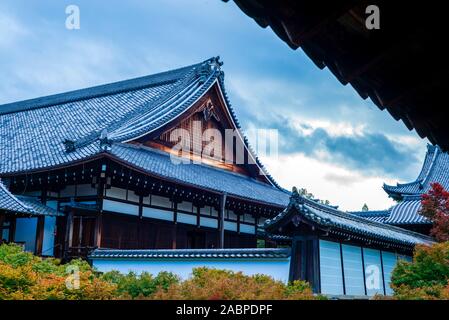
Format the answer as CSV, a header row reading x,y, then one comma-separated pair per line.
x,y
426,277
24,276
139,286
213,284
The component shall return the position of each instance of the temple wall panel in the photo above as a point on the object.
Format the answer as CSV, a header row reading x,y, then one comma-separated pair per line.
x,y
26,232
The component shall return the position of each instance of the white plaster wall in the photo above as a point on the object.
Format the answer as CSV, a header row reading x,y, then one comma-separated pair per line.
x,y
278,269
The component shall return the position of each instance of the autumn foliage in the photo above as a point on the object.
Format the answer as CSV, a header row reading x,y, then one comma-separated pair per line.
x,y
212,284
435,207
24,276
427,277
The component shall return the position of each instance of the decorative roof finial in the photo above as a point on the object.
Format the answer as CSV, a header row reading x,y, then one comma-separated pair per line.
x,y
69,145
105,142
295,196
295,191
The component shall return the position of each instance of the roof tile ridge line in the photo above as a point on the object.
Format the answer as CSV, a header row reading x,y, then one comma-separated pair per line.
x,y
135,113
377,224
166,154
143,122
188,77
14,198
104,86
232,112
370,213
167,95
193,96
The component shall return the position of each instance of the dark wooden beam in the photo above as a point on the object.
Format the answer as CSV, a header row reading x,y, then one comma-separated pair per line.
x,y
39,235
12,229
2,220
221,214
68,232
175,226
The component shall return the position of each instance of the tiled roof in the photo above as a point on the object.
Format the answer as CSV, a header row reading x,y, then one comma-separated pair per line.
x,y
329,218
24,205
200,175
246,253
33,131
406,212
58,130
375,215
435,169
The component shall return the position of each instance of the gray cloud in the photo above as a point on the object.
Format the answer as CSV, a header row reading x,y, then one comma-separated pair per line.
x,y
368,152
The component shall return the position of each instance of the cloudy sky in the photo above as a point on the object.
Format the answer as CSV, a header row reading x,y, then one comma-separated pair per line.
x,y
332,142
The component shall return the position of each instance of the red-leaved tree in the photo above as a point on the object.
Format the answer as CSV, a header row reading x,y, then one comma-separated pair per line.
x,y
435,207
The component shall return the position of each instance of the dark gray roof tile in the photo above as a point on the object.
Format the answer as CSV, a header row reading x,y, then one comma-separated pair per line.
x,y
245,253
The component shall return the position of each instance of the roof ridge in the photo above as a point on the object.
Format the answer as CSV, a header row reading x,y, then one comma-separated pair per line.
x,y
130,116
370,212
156,79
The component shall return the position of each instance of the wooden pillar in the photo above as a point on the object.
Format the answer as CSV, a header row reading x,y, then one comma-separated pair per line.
x,y
68,232
221,220
175,226
98,229
238,223
99,219
304,263
139,224
39,235
12,229
2,220
198,212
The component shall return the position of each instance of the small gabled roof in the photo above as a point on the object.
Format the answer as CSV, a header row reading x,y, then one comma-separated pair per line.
x,y
333,220
244,253
435,169
23,205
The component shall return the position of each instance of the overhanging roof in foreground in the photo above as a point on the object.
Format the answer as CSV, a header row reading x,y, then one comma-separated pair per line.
x,y
329,219
23,205
398,66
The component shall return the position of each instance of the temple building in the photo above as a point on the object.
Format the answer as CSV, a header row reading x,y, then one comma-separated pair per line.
x,y
103,173
102,156
405,213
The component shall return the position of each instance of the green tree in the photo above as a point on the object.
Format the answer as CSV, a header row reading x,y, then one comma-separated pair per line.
x,y
426,277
